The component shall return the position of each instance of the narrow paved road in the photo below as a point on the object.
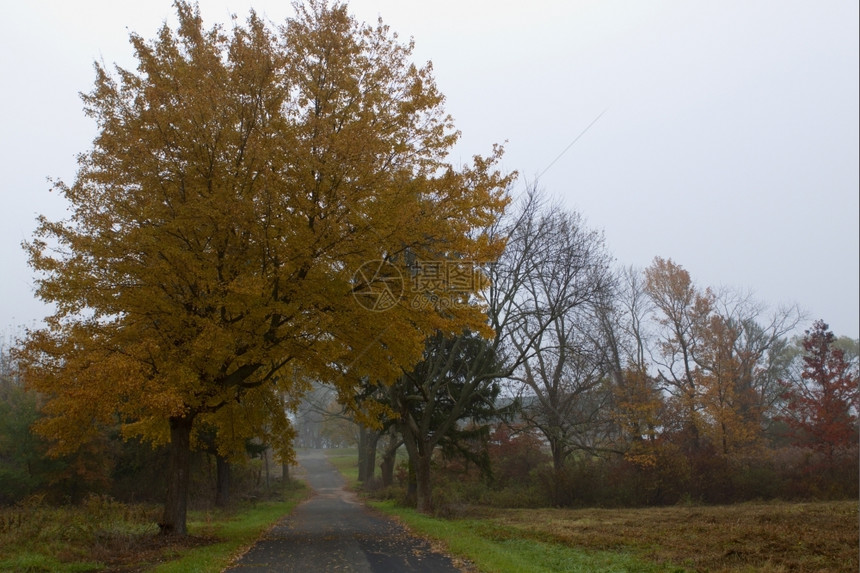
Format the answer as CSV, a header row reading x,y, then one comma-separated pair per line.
x,y
332,531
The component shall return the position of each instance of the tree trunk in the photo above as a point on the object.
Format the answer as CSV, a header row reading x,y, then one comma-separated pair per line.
x,y
173,520
362,466
386,469
423,492
411,483
388,459
222,481
373,440
367,440
420,452
285,472
559,455
266,466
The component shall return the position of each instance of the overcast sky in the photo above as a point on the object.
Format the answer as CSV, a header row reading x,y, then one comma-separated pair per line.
x,y
729,141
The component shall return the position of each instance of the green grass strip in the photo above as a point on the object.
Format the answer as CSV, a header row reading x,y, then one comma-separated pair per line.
x,y
346,462
36,562
235,532
495,551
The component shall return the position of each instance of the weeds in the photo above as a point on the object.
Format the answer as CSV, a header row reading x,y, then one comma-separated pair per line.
x,y
35,536
102,534
775,536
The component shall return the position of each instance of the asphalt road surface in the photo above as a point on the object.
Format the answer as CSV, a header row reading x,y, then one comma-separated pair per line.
x,y
333,531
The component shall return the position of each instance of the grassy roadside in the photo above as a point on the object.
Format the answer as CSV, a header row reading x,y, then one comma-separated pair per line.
x,y
232,532
102,534
774,537
770,537
494,550
346,462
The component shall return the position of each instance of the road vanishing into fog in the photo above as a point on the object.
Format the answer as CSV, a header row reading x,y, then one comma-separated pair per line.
x,y
334,531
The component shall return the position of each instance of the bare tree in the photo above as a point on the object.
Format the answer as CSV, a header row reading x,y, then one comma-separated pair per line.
x,y
517,316
626,319
636,397
563,366
759,342
311,414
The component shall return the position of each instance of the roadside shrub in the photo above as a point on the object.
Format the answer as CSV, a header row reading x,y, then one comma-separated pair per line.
x,y
556,485
515,454
710,476
448,502
385,493
670,474
35,523
755,478
633,484
451,497
525,496
139,472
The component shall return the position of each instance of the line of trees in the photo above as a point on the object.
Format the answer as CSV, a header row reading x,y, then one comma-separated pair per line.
x,y
690,391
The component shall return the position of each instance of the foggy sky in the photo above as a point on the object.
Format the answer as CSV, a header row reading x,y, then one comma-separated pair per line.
x,y
729,141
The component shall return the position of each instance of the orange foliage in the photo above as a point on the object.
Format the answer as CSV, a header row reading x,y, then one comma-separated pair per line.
x,y
238,180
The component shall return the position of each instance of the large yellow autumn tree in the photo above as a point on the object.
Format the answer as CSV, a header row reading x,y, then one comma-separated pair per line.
x,y
239,181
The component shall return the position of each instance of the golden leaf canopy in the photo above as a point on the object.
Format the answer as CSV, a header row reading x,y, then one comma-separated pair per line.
x,y
238,181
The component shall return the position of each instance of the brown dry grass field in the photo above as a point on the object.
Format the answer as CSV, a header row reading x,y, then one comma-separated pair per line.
x,y
772,537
